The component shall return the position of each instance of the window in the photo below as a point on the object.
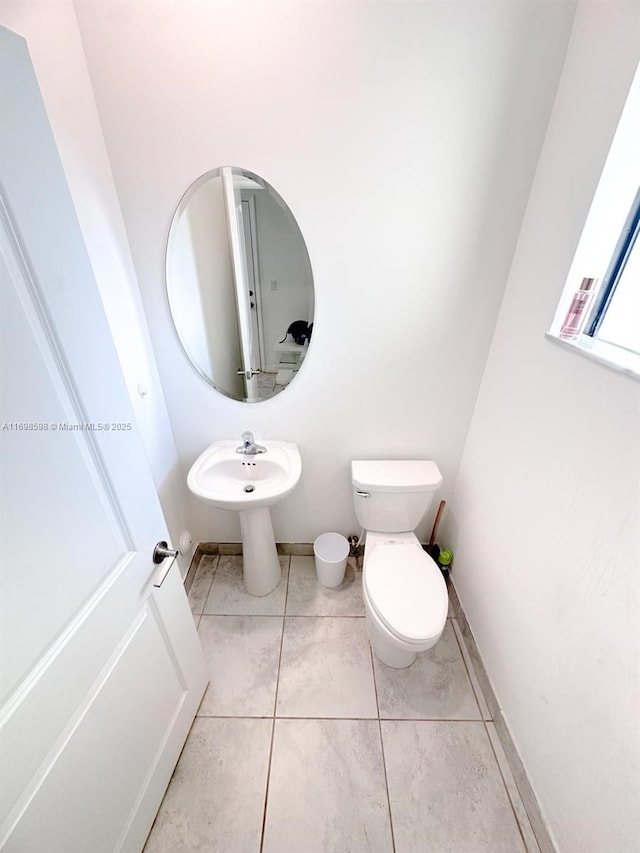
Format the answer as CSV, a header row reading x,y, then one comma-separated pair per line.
x,y
599,310
616,316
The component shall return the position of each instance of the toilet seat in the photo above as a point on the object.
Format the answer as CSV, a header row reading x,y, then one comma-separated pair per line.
x,y
406,591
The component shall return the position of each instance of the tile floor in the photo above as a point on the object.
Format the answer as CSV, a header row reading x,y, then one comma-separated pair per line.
x,y
306,743
268,385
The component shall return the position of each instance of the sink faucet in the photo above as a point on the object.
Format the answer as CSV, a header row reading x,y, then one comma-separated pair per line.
x,y
248,446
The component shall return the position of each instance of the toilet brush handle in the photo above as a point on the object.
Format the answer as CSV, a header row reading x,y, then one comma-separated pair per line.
x,y
436,523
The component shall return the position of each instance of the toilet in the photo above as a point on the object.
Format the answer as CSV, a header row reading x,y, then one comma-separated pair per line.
x,y
405,595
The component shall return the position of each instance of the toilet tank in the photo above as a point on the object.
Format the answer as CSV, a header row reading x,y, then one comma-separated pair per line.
x,y
393,496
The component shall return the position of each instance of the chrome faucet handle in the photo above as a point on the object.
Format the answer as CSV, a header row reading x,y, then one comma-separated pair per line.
x,y
248,446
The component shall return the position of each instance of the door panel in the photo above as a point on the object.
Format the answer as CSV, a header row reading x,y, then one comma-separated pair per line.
x,y
44,465
64,677
112,729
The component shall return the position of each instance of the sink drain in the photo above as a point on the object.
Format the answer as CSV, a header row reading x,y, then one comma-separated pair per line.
x,y
249,489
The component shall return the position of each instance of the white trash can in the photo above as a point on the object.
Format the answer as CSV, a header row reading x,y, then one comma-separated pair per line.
x,y
331,551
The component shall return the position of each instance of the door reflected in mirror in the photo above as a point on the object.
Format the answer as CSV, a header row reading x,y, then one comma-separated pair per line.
x,y
239,284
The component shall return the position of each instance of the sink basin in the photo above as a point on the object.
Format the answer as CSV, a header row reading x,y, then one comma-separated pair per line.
x,y
232,481
249,485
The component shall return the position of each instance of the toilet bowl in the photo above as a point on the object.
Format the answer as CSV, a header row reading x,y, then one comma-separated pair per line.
x,y
405,594
405,598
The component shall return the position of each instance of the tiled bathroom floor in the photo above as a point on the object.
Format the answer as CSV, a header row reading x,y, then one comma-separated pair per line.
x,y
306,743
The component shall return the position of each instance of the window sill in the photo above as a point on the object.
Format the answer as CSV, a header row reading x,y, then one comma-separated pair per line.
x,y
613,357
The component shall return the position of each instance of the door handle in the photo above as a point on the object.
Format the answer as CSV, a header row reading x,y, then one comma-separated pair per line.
x,y
362,494
160,553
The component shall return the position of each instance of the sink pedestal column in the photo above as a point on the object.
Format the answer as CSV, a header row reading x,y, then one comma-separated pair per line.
x,y
261,566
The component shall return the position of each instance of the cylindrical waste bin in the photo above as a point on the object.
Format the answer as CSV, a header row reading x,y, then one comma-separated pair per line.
x,y
331,551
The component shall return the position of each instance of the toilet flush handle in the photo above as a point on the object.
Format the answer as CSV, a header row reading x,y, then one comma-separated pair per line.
x,y
362,494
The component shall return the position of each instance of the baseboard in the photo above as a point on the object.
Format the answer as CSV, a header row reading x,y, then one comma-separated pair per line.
x,y
295,549
285,549
193,568
527,794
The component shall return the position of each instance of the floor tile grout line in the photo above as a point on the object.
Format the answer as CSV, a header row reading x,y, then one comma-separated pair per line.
x,y
345,719
460,640
244,615
323,616
275,705
280,615
384,761
295,615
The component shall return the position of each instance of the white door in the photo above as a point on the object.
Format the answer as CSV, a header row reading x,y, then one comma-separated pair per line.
x,y
102,672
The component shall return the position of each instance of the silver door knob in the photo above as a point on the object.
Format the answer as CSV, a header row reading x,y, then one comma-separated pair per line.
x,y
161,551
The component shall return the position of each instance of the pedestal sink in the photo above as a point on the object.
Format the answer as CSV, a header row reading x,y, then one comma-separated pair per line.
x,y
249,485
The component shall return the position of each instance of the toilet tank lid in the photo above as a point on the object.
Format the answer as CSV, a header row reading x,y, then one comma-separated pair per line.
x,y
403,475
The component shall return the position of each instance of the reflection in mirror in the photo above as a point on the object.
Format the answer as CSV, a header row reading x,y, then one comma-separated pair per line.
x,y
239,284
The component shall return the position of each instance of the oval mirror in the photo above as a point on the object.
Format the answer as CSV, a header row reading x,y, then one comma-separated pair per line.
x,y
239,284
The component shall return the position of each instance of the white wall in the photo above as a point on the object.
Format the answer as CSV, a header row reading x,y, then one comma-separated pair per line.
x,y
404,138
52,35
545,521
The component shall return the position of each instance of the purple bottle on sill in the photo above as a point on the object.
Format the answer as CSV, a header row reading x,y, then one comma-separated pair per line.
x,y
577,313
